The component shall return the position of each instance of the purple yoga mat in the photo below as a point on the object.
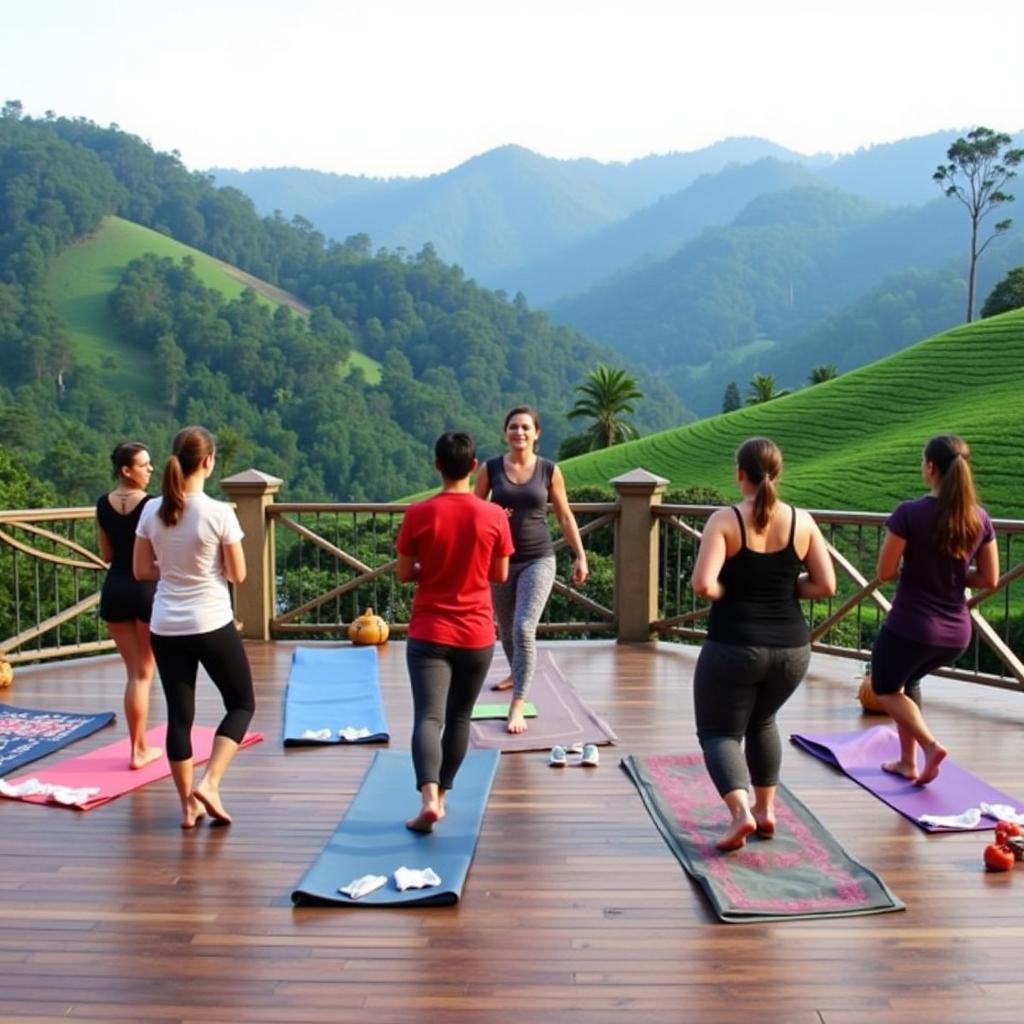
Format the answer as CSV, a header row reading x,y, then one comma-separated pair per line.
x,y
860,755
562,717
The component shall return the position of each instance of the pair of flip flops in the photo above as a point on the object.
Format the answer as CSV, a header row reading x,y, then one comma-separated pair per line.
x,y
589,756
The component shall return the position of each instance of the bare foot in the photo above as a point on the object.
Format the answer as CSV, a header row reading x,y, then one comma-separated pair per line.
x,y
738,832
140,758
764,820
516,721
425,820
934,755
209,797
503,684
908,771
193,812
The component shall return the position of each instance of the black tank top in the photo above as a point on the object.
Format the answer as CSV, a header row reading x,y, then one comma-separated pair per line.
x,y
526,506
120,531
760,606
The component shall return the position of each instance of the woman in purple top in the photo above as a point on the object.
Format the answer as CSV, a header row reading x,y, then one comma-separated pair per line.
x,y
946,544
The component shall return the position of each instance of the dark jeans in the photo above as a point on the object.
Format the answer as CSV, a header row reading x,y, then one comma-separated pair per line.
x,y
446,682
736,692
221,653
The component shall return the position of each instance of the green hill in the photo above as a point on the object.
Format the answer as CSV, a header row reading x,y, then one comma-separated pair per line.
x,y
82,277
855,442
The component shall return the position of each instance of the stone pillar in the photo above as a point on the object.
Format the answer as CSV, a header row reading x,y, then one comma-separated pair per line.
x,y
636,555
251,492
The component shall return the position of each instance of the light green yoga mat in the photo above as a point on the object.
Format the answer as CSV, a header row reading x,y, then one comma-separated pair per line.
x,y
483,712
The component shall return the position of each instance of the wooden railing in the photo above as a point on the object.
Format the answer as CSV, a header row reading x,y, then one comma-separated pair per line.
x,y
334,561
845,625
50,579
313,568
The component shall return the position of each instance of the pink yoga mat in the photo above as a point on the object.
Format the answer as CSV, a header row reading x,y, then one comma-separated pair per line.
x,y
107,768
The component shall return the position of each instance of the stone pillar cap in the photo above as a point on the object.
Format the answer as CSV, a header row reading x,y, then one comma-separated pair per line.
x,y
252,479
639,480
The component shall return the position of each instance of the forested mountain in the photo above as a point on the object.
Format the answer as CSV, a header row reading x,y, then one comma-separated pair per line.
x,y
554,229
496,211
656,231
268,380
808,268
730,285
895,173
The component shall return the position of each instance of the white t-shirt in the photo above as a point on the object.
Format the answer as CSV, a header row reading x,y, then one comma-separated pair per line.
x,y
192,594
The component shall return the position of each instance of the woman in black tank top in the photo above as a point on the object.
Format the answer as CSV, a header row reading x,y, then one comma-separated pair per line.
x,y
125,602
756,562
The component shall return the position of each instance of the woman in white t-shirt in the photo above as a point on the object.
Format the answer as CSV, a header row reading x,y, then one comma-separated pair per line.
x,y
191,545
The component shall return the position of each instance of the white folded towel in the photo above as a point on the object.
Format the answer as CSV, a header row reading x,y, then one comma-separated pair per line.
x,y
968,819
359,887
317,734
65,795
350,733
1002,812
416,878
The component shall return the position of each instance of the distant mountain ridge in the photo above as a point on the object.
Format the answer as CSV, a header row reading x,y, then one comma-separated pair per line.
x,y
496,211
705,267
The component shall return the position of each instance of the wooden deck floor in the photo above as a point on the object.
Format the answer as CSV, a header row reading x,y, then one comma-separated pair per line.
x,y
574,909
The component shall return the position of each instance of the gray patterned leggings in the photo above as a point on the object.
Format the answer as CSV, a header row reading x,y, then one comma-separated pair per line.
x,y
518,604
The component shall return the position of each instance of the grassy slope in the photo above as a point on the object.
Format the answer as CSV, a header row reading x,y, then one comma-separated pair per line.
x,y
83,276
855,442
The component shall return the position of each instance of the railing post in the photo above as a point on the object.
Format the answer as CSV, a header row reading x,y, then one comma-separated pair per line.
x,y
252,491
636,555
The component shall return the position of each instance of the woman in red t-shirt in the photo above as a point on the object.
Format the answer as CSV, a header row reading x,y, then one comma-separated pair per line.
x,y
453,545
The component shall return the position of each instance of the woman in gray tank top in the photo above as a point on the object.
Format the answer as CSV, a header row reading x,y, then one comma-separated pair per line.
x,y
523,483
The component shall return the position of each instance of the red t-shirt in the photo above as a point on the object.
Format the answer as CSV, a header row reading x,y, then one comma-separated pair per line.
x,y
455,536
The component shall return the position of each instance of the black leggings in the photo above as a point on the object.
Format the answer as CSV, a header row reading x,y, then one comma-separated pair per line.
x,y
446,682
221,653
736,691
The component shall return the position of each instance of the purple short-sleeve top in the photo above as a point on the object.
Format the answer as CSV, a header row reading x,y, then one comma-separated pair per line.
x,y
930,605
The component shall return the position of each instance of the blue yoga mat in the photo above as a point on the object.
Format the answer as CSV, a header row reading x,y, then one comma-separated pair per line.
x,y
26,734
372,838
334,689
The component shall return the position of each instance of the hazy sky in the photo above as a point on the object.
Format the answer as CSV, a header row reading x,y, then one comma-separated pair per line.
x,y
388,87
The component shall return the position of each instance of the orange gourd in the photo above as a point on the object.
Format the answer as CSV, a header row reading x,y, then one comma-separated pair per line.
x,y
867,696
368,629
6,673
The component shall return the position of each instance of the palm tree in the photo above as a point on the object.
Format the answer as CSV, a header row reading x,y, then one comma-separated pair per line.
x,y
762,389
606,398
822,372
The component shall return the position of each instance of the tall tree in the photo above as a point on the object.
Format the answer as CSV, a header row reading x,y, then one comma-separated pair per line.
x,y
731,400
762,389
976,176
606,398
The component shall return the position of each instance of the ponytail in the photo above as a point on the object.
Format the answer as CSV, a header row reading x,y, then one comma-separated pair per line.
x,y
957,524
188,450
761,462
764,503
173,504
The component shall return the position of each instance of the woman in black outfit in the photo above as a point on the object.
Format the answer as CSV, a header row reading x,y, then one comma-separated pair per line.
x,y
751,565
126,603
